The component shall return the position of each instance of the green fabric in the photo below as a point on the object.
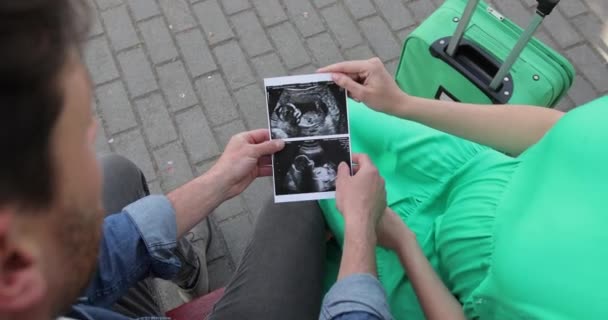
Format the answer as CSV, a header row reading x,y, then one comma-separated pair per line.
x,y
421,74
512,238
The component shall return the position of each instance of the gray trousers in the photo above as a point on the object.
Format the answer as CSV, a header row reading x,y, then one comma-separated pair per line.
x,y
280,274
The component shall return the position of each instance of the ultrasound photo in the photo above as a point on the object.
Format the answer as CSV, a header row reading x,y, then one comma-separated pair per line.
x,y
306,110
309,167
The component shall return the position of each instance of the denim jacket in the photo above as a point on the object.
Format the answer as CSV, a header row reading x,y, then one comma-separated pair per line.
x,y
139,242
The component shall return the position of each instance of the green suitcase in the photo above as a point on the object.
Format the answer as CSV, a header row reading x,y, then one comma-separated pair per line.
x,y
467,51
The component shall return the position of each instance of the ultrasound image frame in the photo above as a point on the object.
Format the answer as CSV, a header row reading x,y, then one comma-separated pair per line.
x,y
306,168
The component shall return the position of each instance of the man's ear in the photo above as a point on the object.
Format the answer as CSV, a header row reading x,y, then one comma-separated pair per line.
x,y
22,283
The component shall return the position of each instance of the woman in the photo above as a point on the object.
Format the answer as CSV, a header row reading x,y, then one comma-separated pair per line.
x,y
511,237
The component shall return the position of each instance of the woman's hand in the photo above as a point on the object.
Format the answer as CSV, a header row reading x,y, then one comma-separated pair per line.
x,y
392,232
368,81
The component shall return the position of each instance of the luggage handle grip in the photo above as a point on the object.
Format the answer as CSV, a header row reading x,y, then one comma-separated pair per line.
x,y
478,66
545,7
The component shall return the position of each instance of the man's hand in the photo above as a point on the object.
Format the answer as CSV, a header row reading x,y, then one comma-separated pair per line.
x,y
369,82
246,157
361,198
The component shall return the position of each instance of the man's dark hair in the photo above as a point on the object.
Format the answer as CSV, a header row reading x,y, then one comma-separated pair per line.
x,y
36,39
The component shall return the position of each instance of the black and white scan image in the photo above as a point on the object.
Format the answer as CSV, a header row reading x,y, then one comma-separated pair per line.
x,y
309,113
307,110
309,166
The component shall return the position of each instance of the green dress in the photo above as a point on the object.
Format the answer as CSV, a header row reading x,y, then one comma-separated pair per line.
x,y
512,238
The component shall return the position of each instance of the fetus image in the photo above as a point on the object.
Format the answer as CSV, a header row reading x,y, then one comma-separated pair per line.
x,y
307,110
309,166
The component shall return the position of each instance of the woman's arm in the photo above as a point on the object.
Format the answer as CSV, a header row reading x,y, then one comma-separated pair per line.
x,y
510,129
436,300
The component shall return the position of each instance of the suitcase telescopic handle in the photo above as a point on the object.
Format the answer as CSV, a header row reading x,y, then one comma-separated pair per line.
x,y
543,9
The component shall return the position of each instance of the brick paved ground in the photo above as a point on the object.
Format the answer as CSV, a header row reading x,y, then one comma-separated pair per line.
x,y
174,79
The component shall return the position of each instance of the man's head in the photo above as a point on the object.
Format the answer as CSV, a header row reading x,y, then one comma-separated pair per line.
x,y
50,193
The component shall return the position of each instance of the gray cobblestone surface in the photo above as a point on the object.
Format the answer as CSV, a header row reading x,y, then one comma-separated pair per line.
x,y
175,79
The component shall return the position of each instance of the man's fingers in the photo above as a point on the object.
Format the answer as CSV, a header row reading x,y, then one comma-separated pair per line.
x,y
267,148
355,89
264,171
362,160
257,136
265,161
355,66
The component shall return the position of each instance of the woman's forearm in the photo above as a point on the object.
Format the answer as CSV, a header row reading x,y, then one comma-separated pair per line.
x,y
436,300
508,128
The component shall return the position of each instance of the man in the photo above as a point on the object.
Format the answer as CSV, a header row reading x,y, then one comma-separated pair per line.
x,y
54,240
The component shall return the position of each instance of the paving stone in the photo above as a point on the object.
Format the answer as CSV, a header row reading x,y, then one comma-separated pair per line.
x,y
361,52
257,195
115,108
307,69
403,34
178,14
99,61
137,72
252,102
155,119
220,272
289,45
176,85
143,9
251,35
379,36
342,26
391,66
304,16
515,11
213,21
225,132
234,6
219,106
229,209
268,65
155,188
237,232
582,91
196,52
561,30
217,248
102,147
120,28
158,40
196,134
360,8
234,64
131,145
542,35
173,166
422,9
324,49
270,11
397,15
96,27
592,66
323,3
591,27
600,7
571,8
105,4
565,104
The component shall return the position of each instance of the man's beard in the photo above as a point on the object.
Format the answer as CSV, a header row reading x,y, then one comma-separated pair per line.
x,y
78,232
